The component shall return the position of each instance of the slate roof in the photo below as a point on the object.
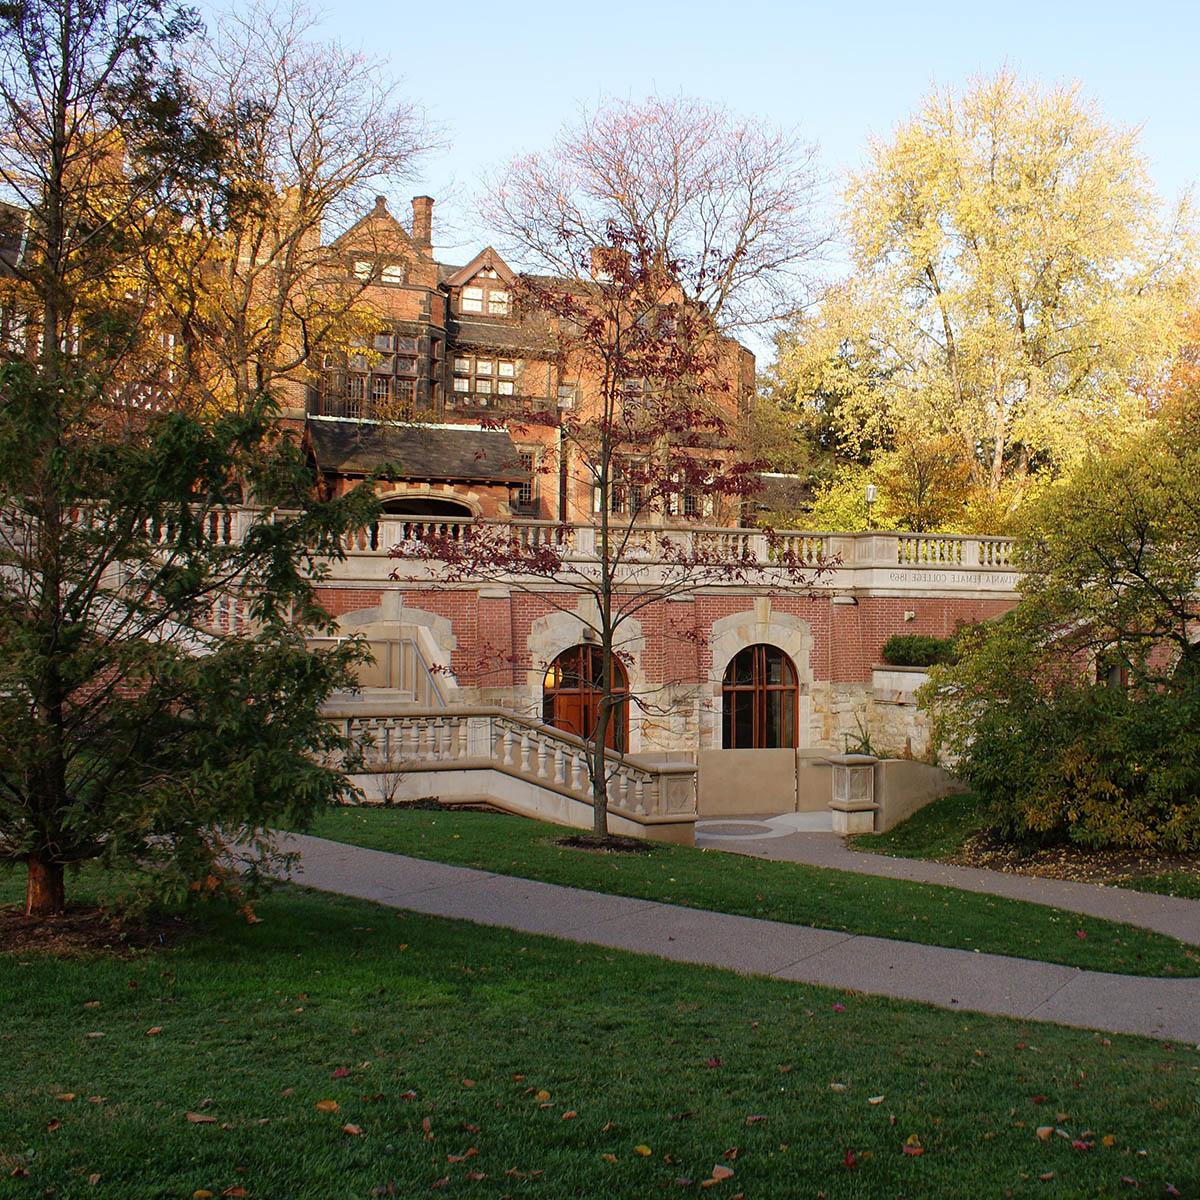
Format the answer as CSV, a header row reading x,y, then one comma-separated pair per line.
x,y
417,451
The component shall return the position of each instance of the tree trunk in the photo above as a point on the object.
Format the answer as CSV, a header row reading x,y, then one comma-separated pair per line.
x,y
45,892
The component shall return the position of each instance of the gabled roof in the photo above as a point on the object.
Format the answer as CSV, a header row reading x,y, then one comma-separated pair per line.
x,y
488,259
380,214
424,452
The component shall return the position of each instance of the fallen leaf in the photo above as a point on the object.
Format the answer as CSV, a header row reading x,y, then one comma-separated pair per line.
x,y
1081,933
837,1087
570,1115
327,1106
154,1031
850,1161
341,1072
1045,1132
731,1154
468,1083
644,1151
1080,1144
93,1035
1037,1099
202,1194
1046,1176
756,1119
235,1193
91,1004
838,1007
712,1062
475,1176
1108,1141
53,1125
469,1127
875,1099
543,1095
912,1146
94,1178
440,1183
427,1128
609,1158
65,1097
288,1092
458,1158
1129,1181
200,1118
352,1130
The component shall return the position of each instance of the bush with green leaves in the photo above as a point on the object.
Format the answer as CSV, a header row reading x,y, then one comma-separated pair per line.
x,y
917,650
1077,716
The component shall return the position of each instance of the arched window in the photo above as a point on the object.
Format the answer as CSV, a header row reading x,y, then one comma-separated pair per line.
x,y
572,692
760,700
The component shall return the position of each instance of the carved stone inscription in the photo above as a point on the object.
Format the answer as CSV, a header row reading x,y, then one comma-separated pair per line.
x,y
1001,580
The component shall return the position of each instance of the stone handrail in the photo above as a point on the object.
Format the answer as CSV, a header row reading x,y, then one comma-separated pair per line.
x,y
866,559
479,737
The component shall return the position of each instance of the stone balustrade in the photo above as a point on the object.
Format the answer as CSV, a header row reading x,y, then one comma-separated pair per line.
x,y
877,561
477,738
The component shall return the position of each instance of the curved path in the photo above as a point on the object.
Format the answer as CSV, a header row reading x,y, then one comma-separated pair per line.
x,y
786,839
956,979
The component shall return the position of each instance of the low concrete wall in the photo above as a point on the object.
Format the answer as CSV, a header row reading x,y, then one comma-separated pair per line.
x,y
740,783
734,783
903,786
484,785
814,783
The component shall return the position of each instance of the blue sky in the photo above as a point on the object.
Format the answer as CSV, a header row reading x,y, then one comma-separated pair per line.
x,y
501,78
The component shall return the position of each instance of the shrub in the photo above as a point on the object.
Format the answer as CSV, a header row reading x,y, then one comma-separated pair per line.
x,y
917,650
1061,758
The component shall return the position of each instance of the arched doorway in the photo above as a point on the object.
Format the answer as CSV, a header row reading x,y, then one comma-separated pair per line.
x,y
426,506
571,695
759,700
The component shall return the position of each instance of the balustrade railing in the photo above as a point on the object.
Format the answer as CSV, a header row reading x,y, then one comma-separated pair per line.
x,y
473,738
645,544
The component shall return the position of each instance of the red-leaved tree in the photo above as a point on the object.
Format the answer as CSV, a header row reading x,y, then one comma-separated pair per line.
x,y
650,440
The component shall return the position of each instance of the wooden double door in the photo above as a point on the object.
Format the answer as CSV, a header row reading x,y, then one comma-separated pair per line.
x,y
572,692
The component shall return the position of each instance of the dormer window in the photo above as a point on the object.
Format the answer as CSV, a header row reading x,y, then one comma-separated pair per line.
x,y
363,268
393,273
486,297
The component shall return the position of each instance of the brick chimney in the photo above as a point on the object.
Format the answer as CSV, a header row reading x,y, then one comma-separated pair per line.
x,y
422,221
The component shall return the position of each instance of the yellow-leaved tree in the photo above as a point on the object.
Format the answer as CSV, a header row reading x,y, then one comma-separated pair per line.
x,y
1016,288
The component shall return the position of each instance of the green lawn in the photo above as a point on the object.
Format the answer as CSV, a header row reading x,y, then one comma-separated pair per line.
x,y
777,891
936,831
939,831
1169,883
486,1063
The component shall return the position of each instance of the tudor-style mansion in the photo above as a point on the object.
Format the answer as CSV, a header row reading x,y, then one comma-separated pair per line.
x,y
780,668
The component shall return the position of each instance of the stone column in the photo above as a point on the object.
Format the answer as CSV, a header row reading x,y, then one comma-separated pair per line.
x,y
853,804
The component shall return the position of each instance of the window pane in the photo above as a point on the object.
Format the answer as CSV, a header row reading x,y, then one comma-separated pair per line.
x,y
462,366
393,273
462,385
505,387
483,386
504,370
483,366
383,341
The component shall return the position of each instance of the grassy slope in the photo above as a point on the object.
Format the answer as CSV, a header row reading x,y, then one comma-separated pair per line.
x,y
256,1020
777,891
939,830
936,831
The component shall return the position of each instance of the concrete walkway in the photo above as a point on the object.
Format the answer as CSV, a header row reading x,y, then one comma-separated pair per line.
x,y
955,979
778,839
